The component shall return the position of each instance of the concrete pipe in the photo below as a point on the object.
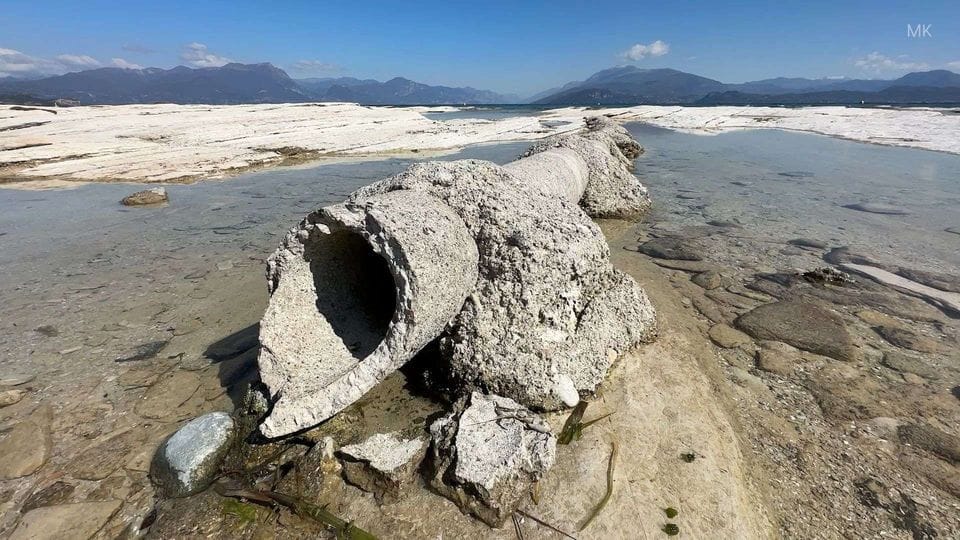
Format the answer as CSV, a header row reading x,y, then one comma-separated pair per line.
x,y
356,291
508,255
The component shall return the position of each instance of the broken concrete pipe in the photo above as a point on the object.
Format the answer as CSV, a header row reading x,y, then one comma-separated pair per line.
x,y
501,264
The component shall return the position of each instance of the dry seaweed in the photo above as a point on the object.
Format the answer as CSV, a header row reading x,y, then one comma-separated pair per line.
x,y
606,497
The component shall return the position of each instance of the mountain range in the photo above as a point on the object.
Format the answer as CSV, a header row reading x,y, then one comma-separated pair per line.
x,y
628,85
234,83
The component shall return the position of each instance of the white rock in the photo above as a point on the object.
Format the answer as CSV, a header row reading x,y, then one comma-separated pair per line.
x,y
187,462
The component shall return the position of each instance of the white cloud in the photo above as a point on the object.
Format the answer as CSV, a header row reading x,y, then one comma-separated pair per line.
x,y
198,55
641,51
315,66
954,65
78,60
878,63
121,63
14,62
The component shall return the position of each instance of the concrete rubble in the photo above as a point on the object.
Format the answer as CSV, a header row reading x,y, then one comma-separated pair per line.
x,y
487,453
384,464
500,263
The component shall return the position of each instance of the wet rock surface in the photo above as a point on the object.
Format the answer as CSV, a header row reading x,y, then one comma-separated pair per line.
x,y
487,453
77,520
671,248
26,446
804,325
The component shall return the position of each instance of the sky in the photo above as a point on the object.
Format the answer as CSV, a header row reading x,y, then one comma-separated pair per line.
x,y
518,47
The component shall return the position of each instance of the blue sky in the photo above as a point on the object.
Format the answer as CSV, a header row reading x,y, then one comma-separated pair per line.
x,y
520,46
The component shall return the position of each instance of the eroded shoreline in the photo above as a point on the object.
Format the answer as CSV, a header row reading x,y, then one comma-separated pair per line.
x,y
186,143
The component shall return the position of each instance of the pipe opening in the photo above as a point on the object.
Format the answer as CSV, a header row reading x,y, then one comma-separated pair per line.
x,y
356,292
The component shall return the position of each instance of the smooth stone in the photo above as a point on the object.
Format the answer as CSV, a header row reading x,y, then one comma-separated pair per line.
x,y
728,337
710,279
807,243
910,364
146,197
931,439
189,460
907,339
26,447
671,248
878,208
78,520
11,397
804,325
777,358
383,465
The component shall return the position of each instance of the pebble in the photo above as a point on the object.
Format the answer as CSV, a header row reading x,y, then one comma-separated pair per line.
x,y
146,197
711,279
11,397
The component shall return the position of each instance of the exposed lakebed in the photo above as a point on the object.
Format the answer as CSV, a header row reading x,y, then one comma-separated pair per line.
x,y
173,291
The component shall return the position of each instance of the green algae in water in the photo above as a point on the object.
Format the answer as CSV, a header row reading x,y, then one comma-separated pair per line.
x,y
671,529
246,513
671,512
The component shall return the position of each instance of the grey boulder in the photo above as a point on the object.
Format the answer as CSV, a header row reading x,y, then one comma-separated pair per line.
x,y
384,464
187,462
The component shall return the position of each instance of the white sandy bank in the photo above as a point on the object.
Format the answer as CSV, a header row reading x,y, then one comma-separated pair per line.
x,y
930,129
156,143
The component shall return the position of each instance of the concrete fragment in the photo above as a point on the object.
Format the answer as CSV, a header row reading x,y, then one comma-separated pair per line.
x,y
487,453
500,263
383,464
187,462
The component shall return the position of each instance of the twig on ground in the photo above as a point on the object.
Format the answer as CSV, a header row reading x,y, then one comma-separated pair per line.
x,y
547,525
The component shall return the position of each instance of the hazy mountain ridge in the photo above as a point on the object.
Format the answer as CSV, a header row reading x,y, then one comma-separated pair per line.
x,y
632,85
235,84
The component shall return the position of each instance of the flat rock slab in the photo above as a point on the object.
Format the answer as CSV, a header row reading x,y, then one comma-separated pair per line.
x,y
948,302
804,325
383,464
26,447
807,243
486,455
188,461
79,520
907,339
670,248
878,208
728,337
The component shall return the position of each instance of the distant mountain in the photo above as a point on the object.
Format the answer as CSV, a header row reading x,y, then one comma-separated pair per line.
x,y
232,83
893,95
319,85
400,91
631,85
236,83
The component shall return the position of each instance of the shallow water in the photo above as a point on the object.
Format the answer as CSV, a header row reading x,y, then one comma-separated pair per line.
x,y
787,185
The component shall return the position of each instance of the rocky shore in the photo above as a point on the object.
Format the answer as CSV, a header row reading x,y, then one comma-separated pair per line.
x,y
787,394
